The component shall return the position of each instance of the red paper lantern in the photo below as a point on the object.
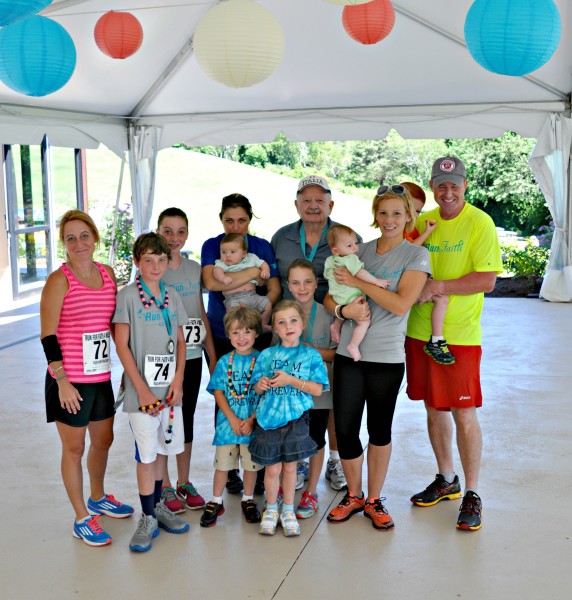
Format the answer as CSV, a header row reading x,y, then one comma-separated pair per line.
x,y
118,34
369,23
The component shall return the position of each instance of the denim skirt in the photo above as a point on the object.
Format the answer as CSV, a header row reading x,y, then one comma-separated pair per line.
x,y
289,443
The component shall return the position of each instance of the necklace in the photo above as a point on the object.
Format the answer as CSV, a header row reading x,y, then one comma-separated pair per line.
x,y
231,387
152,298
169,430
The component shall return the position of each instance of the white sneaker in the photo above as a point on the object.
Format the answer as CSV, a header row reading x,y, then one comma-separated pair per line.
x,y
302,473
335,474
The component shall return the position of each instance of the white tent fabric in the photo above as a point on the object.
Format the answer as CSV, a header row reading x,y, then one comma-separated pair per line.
x,y
550,163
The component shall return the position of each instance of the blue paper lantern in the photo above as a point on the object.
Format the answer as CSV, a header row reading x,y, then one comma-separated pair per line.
x,y
512,37
37,56
14,10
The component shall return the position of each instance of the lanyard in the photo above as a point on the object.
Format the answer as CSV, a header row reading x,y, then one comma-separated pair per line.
x,y
310,327
315,248
164,308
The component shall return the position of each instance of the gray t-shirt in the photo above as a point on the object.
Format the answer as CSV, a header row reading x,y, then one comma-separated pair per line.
x,y
186,281
385,338
148,338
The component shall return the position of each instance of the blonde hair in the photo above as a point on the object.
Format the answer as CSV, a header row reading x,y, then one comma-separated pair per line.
x,y
407,202
285,305
334,233
245,317
78,215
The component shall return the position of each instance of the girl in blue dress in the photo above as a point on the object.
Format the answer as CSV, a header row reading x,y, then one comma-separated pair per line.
x,y
286,377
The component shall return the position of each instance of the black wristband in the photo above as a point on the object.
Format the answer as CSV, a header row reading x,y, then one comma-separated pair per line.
x,y
52,348
341,311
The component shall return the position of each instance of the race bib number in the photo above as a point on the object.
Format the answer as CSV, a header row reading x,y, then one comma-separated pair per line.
x,y
195,333
96,352
159,369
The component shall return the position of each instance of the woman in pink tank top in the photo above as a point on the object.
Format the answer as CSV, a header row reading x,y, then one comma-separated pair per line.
x,y
77,304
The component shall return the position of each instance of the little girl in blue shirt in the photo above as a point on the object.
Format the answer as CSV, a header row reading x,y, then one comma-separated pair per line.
x,y
286,377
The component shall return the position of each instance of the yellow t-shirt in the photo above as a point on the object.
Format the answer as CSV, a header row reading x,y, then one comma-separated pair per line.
x,y
466,244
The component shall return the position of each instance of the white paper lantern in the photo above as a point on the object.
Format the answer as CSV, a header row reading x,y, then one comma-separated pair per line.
x,y
238,43
348,2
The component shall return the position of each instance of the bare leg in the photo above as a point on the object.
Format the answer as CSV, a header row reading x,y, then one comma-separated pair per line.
x,y
438,314
272,482
266,314
101,438
219,481
469,443
73,446
377,465
332,439
353,472
316,464
249,481
184,464
335,330
146,477
289,481
358,334
440,427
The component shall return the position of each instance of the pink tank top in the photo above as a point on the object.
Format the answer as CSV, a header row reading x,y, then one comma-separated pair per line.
x,y
85,311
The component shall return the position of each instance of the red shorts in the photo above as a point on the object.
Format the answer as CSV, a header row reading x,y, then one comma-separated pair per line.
x,y
444,386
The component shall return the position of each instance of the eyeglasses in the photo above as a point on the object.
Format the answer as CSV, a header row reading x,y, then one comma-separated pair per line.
x,y
396,189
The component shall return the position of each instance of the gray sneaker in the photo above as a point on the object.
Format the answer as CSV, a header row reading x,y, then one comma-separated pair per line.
x,y
168,520
335,474
147,529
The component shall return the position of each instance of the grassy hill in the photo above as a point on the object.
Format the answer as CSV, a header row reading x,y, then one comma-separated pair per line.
x,y
197,183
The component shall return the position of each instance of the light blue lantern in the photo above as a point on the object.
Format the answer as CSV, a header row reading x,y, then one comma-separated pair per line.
x,y
512,37
37,56
14,10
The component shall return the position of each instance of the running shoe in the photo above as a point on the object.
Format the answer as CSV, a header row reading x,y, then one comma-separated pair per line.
x,y
470,512
439,352
335,474
109,507
171,501
213,510
302,473
89,531
188,495
147,529
378,514
346,508
234,482
168,520
290,525
250,511
269,522
308,505
438,490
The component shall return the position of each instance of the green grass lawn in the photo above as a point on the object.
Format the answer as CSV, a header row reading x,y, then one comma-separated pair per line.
x,y
197,183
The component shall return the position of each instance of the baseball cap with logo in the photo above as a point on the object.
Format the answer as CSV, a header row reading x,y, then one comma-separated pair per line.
x,y
448,169
314,180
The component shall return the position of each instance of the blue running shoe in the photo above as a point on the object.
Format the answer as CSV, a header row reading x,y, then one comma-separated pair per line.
x,y
110,507
89,531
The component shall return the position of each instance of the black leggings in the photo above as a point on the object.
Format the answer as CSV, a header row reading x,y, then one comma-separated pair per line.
x,y
191,387
355,385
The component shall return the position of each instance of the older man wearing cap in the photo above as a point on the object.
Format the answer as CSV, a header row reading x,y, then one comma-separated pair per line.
x,y
465,260
306,238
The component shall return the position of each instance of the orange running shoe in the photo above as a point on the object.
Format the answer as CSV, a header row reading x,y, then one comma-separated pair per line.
x,y
378,514
346,508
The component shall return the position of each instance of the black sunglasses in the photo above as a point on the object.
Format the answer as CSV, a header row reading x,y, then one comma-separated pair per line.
x,y
396,189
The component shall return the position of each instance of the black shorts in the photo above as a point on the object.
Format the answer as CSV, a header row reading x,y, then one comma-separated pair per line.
x,y
97,403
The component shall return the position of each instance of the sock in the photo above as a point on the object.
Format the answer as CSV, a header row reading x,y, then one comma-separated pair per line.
x,y
148,504
471,490
436,338
449,477
334,455
272,506
102,498
217,499
85,519
287,507
372,500
245,497
157,493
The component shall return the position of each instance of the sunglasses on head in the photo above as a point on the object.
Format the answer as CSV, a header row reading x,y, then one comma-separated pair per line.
x,y
396,189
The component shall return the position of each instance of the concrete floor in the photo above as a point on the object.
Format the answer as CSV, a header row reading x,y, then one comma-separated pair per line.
x,y
523,550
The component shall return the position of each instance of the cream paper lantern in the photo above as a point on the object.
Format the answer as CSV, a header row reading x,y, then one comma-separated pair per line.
x,y
238,43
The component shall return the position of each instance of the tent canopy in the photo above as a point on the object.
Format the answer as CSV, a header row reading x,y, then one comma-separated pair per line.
x,y
421,80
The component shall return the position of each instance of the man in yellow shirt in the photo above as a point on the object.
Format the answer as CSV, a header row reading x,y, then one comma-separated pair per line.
x,y
465,260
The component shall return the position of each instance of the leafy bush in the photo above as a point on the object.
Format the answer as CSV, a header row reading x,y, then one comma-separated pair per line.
x,y
530,261
123,243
